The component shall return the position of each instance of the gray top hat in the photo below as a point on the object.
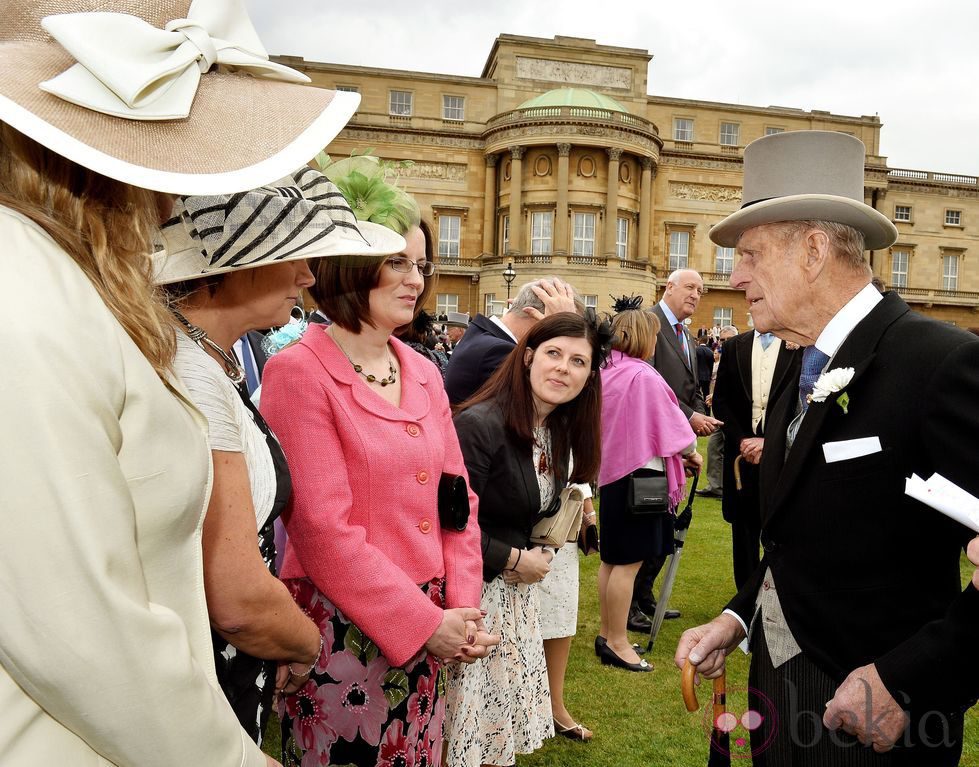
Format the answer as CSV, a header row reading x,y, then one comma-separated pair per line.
x,y
800,175
456,320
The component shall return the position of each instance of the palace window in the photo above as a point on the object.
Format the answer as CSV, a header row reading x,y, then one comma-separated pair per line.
x,y
622,238
724,260
902,213
453,108
679,250
400,103
900,260
771,130
730,134
505,239
541,232
348,88
953,218
591,301
493,307
449,236
446,302
950,272
583,238
723,316
682,129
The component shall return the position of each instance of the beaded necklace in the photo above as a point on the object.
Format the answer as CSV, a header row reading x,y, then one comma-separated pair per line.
x,y
232,368
369,377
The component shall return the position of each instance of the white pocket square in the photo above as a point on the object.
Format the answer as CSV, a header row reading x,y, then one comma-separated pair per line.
x,y
849,449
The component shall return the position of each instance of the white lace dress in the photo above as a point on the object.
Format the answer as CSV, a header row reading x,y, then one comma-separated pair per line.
x,y
500,706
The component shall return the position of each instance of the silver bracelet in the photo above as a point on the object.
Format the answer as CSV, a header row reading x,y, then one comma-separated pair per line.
x,y
312,665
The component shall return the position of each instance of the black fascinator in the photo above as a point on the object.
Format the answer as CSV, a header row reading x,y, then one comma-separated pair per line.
x,y
603,333
423,323
625,303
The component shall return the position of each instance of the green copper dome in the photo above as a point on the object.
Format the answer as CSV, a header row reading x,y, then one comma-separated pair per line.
x,y
573,97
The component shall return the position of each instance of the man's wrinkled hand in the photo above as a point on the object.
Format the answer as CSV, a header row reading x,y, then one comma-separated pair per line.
x,y
706,646
704,425
751,449
864,708
973,553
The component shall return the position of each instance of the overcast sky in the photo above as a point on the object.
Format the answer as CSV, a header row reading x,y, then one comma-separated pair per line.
x,y
915,64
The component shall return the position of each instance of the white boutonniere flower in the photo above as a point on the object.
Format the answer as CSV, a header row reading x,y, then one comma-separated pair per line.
x,y
832,382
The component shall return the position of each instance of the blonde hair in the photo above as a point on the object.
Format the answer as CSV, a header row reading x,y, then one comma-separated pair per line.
x,y
634,333
106,227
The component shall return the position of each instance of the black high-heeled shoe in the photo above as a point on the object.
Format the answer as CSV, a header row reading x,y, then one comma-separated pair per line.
x,y
609,658
601,641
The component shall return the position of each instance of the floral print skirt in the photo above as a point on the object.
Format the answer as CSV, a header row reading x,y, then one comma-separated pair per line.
x,y
356,709
501,706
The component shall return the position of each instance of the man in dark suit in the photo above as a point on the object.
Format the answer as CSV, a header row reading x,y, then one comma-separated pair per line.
x,y
705,365
676,360
488,340
754,369
860,629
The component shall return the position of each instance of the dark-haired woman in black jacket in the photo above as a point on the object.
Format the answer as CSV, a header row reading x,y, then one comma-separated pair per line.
x,y
518,434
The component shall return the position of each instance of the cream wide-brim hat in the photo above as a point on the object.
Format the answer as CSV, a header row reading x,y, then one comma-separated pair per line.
x,y
298,217
242,132
805,175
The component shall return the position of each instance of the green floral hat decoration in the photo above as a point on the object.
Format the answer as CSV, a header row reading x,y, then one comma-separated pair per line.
x,y
369,185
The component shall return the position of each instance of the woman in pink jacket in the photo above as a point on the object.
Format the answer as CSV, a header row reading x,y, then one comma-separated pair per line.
x,y
365,425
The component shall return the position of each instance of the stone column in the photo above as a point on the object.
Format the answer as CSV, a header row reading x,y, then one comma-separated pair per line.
x,y
561,214
489,203
612,201
645,208
516,233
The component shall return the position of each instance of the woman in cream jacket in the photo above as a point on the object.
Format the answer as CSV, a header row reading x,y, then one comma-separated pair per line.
x,y
105,652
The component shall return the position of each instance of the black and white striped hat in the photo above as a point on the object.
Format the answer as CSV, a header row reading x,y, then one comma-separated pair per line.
x,y
301,216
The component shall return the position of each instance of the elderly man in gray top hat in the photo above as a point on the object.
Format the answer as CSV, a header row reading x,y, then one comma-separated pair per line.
x,y
863,641
455,324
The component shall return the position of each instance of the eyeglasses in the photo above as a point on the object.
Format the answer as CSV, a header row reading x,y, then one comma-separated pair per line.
x,y
402,264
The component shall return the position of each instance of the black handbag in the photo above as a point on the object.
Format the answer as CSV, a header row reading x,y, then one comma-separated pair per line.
x,y
648,492
453,500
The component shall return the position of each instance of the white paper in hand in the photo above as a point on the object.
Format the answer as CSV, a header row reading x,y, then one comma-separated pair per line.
x,y
946,497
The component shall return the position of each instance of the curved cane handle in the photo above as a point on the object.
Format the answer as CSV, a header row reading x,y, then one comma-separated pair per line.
x,y
689,690
687,686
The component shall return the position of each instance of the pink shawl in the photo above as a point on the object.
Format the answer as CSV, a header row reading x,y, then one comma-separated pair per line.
x,y
641,420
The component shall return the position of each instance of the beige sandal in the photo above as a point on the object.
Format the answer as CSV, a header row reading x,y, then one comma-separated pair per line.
x,y
574,732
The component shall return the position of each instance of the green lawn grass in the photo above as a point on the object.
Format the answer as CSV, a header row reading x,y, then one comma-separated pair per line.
x,y
640,719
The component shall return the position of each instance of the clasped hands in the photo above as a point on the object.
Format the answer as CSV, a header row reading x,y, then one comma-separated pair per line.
x,y
862,705
531,567
461,636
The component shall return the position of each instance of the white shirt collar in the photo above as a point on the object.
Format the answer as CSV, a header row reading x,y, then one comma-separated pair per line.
x,y
670,316
846,319
499,323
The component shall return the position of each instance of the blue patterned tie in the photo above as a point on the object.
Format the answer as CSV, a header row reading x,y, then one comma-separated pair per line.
x,y
813,362
765,339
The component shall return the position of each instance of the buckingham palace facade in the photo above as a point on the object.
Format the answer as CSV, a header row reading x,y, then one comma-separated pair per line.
x,y
556,160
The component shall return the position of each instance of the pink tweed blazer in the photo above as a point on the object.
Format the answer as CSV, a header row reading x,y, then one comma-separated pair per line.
x,y
363,521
